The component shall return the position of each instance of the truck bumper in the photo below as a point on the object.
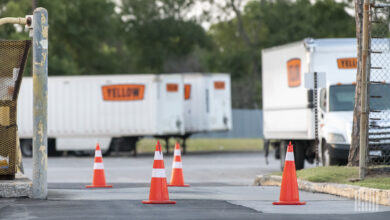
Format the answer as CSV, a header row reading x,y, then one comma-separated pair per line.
x,y
339,151
379,154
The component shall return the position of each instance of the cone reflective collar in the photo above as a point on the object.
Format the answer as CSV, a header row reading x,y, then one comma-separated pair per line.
x,y
158,188
289,194
99,179
177,178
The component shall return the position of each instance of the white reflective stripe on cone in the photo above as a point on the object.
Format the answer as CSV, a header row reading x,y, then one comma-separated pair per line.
x,y
159,173
158,155
98,166
177,165
98,153
177,152
290,156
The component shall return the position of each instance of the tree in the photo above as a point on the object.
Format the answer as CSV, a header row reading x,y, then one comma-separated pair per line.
x,y
160,37
353,157
262,24
83,37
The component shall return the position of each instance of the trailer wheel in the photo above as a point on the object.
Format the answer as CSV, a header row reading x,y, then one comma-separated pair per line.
x,y
26,148
327,160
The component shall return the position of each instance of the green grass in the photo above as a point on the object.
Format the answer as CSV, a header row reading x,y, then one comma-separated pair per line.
x,y
201,145
341,174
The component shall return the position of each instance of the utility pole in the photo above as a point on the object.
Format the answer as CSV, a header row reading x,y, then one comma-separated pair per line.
x,y
40,73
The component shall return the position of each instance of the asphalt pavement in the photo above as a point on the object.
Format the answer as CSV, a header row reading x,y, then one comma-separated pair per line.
x,y
220,189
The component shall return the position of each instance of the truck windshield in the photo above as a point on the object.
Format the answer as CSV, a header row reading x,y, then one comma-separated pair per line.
x,y
342,97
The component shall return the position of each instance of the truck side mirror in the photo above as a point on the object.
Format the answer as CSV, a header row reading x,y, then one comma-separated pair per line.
x,y
310,98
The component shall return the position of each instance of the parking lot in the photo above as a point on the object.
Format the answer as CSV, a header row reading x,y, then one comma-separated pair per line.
x,y
221,188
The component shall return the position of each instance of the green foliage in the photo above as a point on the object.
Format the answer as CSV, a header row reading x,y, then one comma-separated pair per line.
x,y
206,144
155,42
83,37
269,23
158,34
154,36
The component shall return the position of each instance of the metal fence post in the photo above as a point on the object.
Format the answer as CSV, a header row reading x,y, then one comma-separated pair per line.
x,y
40,73
364,109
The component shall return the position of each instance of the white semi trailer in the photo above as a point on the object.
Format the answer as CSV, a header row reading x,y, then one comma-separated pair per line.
x,y
207,105
114,111
289,107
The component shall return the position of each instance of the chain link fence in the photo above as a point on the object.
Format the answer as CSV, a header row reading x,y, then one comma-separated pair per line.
x,y
378,152
13,55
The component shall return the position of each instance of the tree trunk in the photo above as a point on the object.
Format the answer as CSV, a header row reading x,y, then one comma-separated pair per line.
x,y
353,158
250,44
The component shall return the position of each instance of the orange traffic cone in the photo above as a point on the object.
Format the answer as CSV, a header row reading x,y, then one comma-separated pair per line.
x,y
177,178
99,179
158,188
289,194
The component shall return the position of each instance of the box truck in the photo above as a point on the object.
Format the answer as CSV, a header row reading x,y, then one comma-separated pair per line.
x,y
207,104
291,112
112,110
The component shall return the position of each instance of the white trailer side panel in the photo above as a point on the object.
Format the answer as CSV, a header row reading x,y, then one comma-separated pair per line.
x,y
220,108
170,109
195,104
76,107
207,107
327,52
285,107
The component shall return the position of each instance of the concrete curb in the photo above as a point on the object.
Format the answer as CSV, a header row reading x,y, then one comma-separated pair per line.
x,y
19,187
378,196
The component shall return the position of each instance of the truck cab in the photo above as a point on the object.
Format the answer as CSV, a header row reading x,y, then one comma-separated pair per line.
x,y
336,107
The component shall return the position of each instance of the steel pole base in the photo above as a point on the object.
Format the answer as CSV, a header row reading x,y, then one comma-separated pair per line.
x,y
104,186
289,203
158,202
184,185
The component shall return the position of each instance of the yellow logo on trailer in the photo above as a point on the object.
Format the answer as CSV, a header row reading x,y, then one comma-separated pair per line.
x,y
347,63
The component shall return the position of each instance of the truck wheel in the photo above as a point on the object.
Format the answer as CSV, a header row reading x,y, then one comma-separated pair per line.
x,y
26,148
106,152
327,159
282,153
299,156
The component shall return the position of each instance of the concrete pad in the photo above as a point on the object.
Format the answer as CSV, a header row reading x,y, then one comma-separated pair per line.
x,y
313,207
19,187
257,198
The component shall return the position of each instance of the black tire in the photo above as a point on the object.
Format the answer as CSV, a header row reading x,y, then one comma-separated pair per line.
x,y
282,153
326,158
106,152
299,156
26,148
